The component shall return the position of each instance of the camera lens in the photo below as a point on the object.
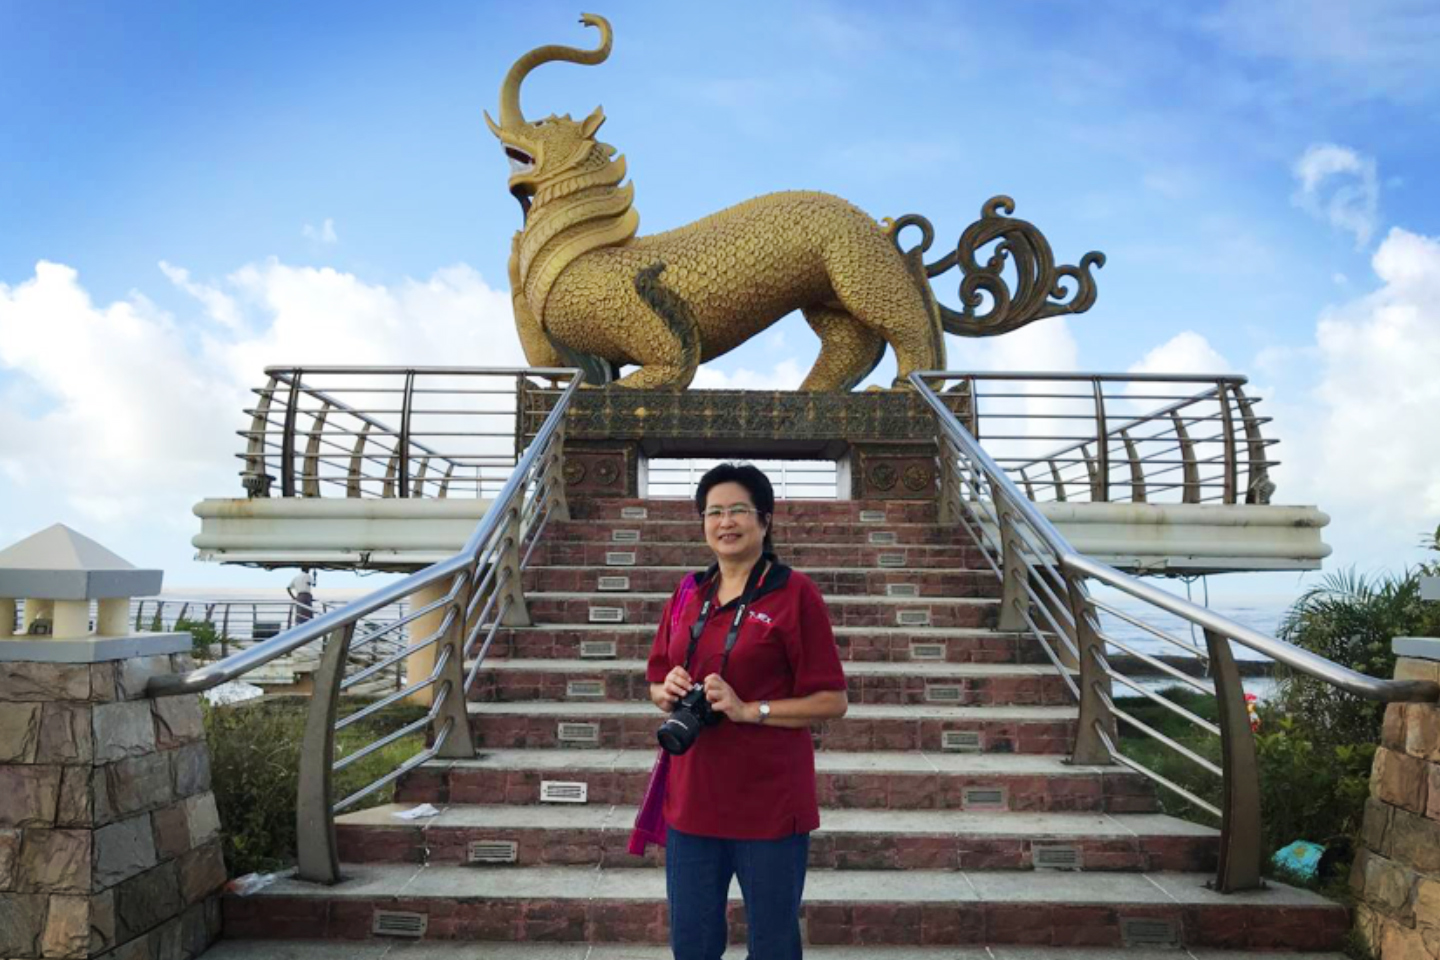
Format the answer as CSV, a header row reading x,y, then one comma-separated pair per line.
x,y
677,733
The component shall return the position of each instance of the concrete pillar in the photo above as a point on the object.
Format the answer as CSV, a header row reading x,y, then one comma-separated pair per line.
x,y
419,664
7,618
72,619
113,618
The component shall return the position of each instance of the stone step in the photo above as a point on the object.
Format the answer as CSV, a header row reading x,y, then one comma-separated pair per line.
x,y
969,684
691,530
597,834
832,581
850,780
554,550
842,907
459,950
567,608
631,641
786,511
541,724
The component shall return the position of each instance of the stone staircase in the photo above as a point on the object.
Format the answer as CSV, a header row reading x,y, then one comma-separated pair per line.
x,y
950,817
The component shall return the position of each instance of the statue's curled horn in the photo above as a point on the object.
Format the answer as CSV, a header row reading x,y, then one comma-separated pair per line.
x,y
588,291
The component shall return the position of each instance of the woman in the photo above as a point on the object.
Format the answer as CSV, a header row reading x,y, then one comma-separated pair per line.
x,y
741,801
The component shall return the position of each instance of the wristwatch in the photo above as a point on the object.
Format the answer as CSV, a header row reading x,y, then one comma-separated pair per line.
x,y
764,710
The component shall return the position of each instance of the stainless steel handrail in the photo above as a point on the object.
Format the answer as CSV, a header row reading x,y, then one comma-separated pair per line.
x,y
238,664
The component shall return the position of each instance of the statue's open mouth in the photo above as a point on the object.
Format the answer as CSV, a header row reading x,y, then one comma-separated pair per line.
x,y
520,161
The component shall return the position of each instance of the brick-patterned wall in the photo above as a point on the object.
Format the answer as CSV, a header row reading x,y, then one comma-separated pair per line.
x,y
1397,872
109,836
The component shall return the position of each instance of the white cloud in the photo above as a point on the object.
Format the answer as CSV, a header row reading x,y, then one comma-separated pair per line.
x,y
1353,199
324,234
1187,352
1366,447
785,375
115,418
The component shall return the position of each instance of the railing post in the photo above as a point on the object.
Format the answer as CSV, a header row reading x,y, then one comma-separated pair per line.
x,y
1014,571
1258,487
1100,487
556,502
1190,469
254,478
1227,427
287,438
403,444
1089,745
458,745
950,493
319,860
1240,853
517,614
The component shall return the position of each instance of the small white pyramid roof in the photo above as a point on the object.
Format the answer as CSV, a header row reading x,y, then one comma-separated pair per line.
x,y
59,563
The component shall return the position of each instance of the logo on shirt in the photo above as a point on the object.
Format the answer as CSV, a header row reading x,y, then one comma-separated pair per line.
x,y
762,617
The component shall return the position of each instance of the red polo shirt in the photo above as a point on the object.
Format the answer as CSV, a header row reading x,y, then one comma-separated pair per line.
x,y
746,781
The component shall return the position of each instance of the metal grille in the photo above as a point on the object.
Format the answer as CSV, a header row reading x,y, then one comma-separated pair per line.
x,y
883,538
962,741
1149,932
634,513
598,650
625,536
578,733
927,651
397,923
872,516
613,584
564,791
1055,857
944,693
891,560
912,618
902,590
493,851
607,614
620,558
585,688
984,798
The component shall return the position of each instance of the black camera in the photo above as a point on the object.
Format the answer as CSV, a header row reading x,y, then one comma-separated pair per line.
x,y
692,713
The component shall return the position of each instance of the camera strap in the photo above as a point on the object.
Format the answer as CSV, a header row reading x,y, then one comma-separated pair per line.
x,y
752,585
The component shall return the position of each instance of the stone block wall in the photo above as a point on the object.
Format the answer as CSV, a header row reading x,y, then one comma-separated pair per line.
x,y
1396,876
109,835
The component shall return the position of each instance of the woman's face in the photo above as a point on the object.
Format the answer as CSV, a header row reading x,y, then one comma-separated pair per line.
x,y
733,536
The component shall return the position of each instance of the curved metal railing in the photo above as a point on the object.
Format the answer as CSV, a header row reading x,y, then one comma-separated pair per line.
x,y
455,608
1046,592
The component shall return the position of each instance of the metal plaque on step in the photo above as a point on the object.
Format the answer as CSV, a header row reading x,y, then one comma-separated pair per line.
x,y
399,923
607,614
598,650
613,584
872,516
563,791
580,734
620,558
962,741
493,851
891,560
927,651
912,618
634,513
984,798
1149,932
585,688
944,693
902,590
625,536
1055,856
883,538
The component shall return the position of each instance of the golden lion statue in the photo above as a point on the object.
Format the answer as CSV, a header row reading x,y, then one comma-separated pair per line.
x,y
588,292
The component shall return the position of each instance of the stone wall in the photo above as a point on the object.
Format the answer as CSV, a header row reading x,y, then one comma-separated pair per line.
x,y
1396,876
109,836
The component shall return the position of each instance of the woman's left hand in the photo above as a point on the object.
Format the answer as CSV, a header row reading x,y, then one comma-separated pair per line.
x,y
723,700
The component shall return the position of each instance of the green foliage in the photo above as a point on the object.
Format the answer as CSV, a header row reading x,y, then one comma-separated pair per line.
x,y
255,759
204,638
1308,790
1351,620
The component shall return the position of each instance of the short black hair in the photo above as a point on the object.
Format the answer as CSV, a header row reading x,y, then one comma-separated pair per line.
x,y
753,479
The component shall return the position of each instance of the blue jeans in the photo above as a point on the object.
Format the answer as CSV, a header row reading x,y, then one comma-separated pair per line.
x,y
772,881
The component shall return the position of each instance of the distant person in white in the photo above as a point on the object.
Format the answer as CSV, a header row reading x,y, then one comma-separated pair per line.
x,y
302,591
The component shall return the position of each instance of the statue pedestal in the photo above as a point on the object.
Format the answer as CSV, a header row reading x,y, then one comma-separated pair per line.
x,y
884,441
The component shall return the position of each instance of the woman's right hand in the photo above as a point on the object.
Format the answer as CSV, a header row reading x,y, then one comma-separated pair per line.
x,y
677,684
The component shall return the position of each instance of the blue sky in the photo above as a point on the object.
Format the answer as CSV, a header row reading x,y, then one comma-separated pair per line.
x,y
1261,176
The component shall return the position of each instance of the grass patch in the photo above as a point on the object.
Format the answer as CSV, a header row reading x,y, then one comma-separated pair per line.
x,y
255,760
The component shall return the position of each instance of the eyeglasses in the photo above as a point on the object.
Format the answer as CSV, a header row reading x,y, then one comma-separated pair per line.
x,y
736,511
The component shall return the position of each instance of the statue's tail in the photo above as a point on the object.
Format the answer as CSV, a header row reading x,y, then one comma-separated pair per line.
x,y
987,305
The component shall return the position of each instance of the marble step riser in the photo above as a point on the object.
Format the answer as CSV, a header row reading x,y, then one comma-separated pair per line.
x,y
845,583
564,643
858,613
519,686
521,732
578,847
1255,927
693,531
1024,793
553,551
786,512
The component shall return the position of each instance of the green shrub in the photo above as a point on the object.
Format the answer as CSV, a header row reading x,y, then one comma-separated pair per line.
x,y
204,637
255,759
